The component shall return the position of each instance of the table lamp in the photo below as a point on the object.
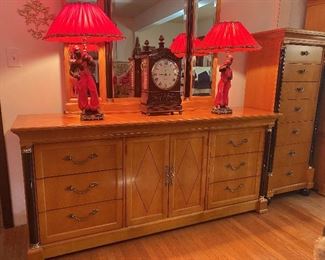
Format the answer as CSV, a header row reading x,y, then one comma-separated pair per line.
x,y
227,37
83,23
178,46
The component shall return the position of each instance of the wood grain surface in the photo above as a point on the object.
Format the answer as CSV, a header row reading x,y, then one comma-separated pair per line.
x,y
287,231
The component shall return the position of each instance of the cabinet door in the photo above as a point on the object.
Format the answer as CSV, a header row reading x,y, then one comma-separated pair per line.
x,y
146,193
188,161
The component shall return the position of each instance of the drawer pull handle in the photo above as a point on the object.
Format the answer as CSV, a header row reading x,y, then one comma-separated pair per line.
x,y
300,89
292,153
235,168
304,53
91,156
75,190
79,219
295,131
301,71
235,189
289,173
244,141
298,109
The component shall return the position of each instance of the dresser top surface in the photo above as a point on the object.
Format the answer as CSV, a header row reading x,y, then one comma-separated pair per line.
x,y
25,123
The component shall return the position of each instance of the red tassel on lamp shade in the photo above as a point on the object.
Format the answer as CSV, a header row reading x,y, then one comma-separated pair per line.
x,y
83,23
178,46
230,37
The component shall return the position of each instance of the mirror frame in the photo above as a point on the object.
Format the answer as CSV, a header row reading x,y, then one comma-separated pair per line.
x,y
106,66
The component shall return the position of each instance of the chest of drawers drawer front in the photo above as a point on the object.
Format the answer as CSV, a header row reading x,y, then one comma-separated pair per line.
x,y
72,222
234,166
236,142
301,72
235,191
291,133
297,110
291,154
70,158
303,54
299,90
288,175
74,190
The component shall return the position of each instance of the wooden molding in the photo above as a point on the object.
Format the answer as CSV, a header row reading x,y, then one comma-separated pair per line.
x,y
5,196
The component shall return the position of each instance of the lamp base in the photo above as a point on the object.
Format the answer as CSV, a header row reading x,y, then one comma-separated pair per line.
x,y
91,116
221,110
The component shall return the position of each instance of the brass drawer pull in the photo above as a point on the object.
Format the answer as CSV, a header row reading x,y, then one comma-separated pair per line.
x,y
298,109
304,53
75,190
91,156
235,189
301,71
244,141
235,168
300,89
292,153
295,131
289,173
79,219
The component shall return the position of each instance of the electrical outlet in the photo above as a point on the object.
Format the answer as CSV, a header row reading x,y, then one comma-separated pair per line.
x,y
13,57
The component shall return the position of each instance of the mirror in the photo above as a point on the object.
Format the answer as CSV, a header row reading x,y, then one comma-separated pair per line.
x,y
202,69
141,20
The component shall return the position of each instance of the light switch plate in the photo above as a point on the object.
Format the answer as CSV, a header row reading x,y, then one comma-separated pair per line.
x,y
13,57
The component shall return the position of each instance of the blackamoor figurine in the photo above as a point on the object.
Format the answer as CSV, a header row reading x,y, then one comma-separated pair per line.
x,y
81,68
221,99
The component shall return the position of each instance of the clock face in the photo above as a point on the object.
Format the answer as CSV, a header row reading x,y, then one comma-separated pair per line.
x,y
165,74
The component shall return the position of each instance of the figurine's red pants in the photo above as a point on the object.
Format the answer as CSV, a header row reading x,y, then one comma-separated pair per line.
x,y
87,84
222,94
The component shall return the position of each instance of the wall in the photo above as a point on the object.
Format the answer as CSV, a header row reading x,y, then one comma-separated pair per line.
x,y
122,50
169,30
258,15
33,88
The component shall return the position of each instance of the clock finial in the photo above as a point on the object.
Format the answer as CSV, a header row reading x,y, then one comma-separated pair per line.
x,y
137,47
161,42
146,46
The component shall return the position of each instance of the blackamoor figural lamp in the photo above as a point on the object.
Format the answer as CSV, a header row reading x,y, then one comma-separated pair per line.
x,y
227,37
83,23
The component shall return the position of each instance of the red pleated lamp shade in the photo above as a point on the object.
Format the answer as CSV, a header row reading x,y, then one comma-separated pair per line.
x,y
229,36
83,23
178,46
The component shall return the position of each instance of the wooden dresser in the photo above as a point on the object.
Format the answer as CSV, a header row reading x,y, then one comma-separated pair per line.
x,y
315,20
285,77
94,183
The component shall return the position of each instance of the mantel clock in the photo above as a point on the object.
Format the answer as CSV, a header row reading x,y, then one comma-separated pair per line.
x,y
161,82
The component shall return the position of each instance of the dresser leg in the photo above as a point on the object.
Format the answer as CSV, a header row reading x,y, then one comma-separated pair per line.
x,y
262,205
35,253
305,192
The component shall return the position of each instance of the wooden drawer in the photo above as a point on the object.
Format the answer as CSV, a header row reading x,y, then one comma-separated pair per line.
x,y
230,192
236,141
234,166
301,72
77,157
291,154
303,54
297,110
72,222
74,190
291,133
299,90
288,175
